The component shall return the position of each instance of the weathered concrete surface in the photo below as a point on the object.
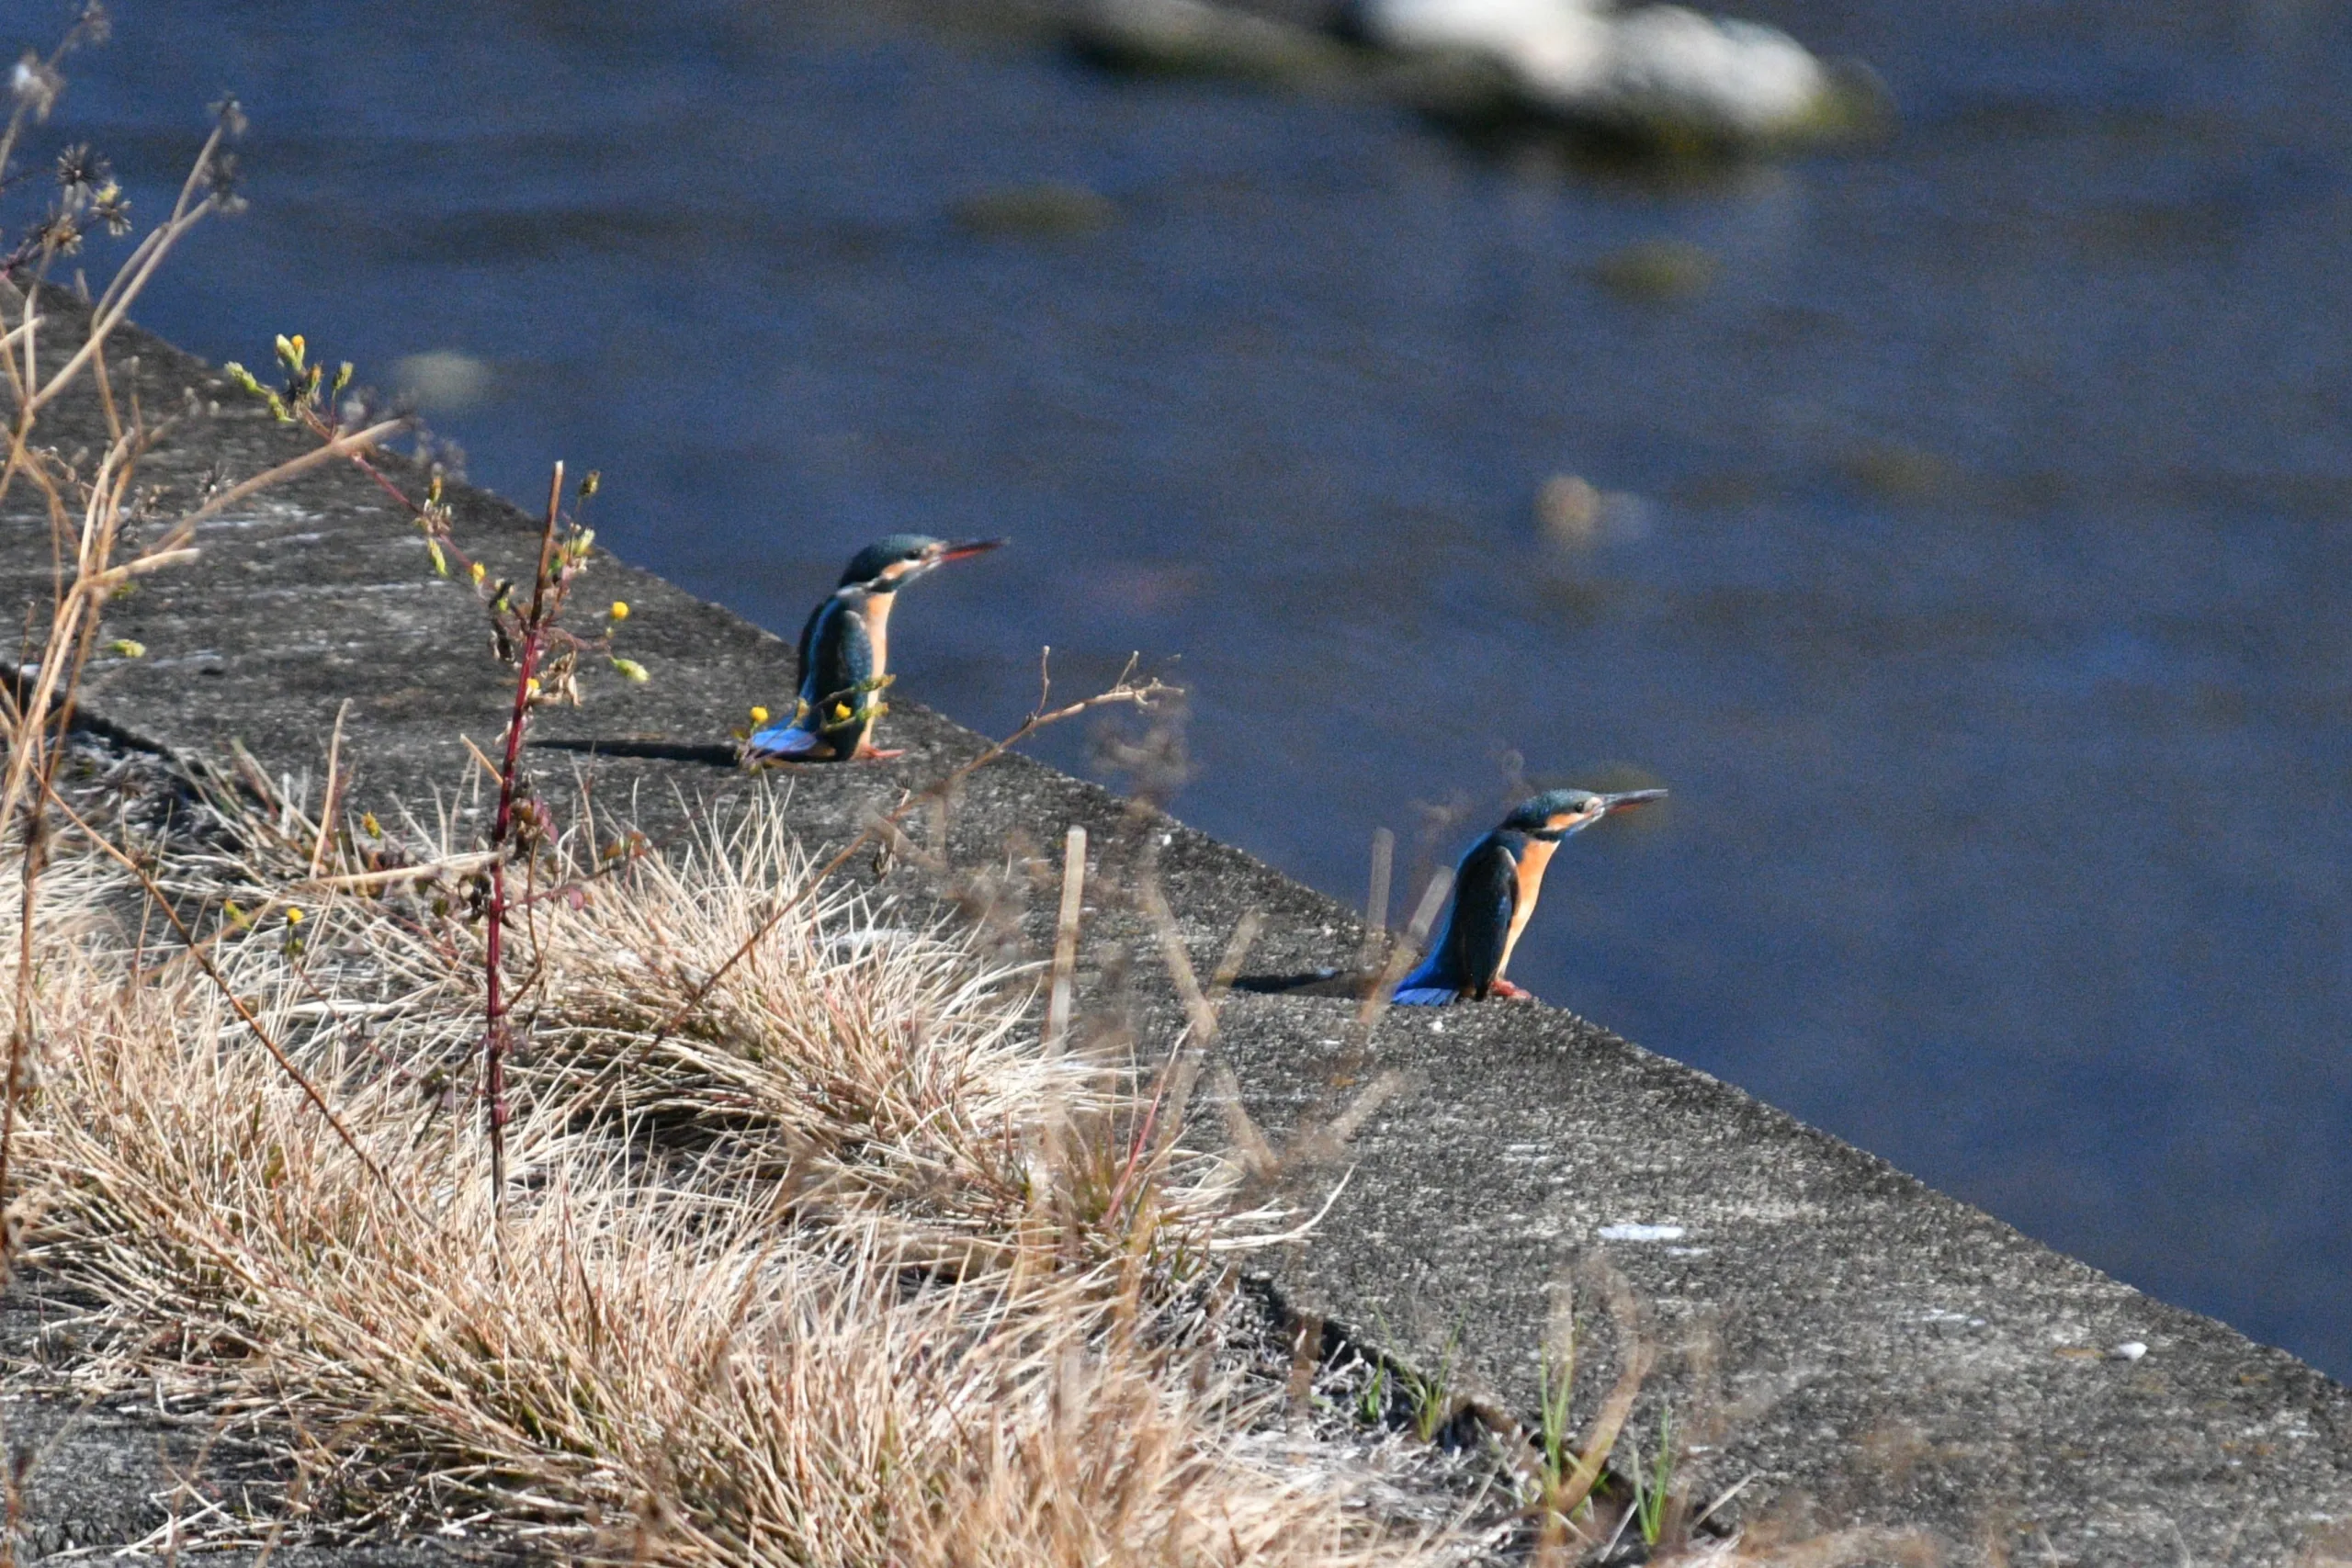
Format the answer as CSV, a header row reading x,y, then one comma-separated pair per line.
x,y
104,1472
1888,1353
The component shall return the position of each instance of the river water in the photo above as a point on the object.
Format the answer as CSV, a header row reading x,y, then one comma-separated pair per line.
x,y
1971,562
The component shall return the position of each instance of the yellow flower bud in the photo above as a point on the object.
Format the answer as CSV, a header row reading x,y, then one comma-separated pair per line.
x,y
532,686
369,826
759,714
479,572
620,611
293,916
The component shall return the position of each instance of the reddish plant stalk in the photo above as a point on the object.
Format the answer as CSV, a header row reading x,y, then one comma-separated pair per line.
x,y
494,1003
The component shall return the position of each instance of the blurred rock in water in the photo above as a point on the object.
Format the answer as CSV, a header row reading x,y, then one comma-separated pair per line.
x,y
1661,75
1656,69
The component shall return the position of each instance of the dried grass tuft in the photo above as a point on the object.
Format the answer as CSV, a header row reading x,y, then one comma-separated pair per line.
x,y
826,1263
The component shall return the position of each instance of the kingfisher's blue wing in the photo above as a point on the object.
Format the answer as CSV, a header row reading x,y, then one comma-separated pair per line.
x,y
1485,891
839,669
836,706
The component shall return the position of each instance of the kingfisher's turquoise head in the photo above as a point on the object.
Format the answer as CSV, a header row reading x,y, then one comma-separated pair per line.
x,y
1556,813
887,565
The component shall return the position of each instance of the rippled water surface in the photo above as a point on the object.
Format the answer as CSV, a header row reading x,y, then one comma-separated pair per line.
x,y
1974,573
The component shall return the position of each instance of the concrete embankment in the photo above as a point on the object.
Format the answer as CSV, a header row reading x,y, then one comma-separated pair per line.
x,y
1867,1349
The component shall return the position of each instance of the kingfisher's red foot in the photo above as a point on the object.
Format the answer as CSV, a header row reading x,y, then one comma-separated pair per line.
x,y
1510,993
874,754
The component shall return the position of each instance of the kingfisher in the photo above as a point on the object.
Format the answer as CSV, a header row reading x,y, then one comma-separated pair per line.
x,y
846,654
1495,889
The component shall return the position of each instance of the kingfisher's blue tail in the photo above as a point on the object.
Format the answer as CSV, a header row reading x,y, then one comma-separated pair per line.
x,y
784,742
1427,986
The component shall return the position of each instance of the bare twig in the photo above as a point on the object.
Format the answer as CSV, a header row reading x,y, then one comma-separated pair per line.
x,y
1057,1001
1375,908
527,684
334,788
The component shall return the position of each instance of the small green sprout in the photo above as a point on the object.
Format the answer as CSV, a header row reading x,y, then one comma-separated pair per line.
x,y
1556,1380
631,671
1650,1492
1432,1398
1371,1404
127,648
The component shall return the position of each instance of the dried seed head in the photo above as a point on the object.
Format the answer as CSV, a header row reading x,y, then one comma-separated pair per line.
x,y
220,182
111,208
35,86
79,168
59,235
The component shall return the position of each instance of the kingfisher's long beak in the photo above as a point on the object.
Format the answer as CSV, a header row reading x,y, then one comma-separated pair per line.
x,y
963,549
1612,804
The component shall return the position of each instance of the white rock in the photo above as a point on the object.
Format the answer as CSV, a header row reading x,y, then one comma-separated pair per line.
x,y
1631,1231
1563,43
1723,75
1495,26
1659,66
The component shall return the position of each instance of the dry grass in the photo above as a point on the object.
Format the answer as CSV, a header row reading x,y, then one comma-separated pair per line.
x,y
839,1270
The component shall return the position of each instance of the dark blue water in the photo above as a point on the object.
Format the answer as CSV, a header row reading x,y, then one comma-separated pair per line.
x,y
1979,591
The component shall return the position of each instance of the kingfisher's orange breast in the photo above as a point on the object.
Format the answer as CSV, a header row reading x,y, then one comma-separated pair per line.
x,y
877,629
1529,870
